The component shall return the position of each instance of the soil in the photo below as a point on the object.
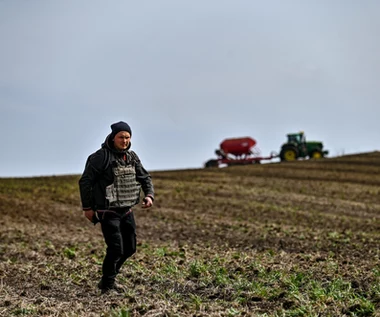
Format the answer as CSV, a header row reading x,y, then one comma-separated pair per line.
x,y
319,217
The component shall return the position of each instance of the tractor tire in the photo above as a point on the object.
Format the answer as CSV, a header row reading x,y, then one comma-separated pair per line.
x,y
316,155
212,163
288,153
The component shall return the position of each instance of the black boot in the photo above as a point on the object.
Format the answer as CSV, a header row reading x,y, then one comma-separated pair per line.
x,y
111,287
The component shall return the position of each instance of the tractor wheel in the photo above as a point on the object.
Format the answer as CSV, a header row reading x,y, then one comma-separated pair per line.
x,y
316,155
289,154
212,163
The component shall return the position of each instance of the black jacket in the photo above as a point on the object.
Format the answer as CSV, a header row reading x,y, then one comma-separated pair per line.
x,y
98,174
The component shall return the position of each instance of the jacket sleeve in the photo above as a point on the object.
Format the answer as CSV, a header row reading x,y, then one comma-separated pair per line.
x,y
93,169
144,178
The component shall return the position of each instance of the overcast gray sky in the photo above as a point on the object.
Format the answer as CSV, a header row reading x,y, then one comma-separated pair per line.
x,y
185,75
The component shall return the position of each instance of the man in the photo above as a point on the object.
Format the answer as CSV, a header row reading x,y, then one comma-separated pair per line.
x,y
109,187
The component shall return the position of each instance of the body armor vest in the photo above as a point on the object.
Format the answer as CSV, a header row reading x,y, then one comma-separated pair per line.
x,y
125,190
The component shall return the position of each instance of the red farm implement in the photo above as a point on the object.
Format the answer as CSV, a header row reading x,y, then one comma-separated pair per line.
x,y
238,151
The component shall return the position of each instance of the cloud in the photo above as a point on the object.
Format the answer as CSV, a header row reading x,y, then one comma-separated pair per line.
x,y
185,75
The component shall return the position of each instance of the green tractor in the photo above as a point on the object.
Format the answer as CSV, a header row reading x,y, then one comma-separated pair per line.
x,y
297,147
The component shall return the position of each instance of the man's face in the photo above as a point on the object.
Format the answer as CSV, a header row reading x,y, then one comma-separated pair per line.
x,y
121,140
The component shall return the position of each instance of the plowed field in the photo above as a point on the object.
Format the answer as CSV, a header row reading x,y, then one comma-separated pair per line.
x,y
289,239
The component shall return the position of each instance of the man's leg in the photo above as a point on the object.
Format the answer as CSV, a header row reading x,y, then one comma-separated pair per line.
x,y
112,236
128,233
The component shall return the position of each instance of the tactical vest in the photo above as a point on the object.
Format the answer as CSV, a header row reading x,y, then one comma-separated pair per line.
x,y
125,190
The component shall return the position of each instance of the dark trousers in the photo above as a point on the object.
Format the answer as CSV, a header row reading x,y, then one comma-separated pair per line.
x,y
119,231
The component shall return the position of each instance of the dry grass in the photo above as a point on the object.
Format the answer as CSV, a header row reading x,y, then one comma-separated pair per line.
x,y
293,239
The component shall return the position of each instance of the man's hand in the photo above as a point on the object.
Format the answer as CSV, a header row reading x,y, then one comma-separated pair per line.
x,y
147,202
89,214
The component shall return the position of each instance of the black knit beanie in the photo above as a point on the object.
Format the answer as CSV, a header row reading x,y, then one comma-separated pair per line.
x,y
120,126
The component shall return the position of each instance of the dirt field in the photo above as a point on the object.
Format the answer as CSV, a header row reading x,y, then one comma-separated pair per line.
x,y
290,239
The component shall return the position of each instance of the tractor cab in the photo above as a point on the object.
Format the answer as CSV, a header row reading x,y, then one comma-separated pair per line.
x,y
297,138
